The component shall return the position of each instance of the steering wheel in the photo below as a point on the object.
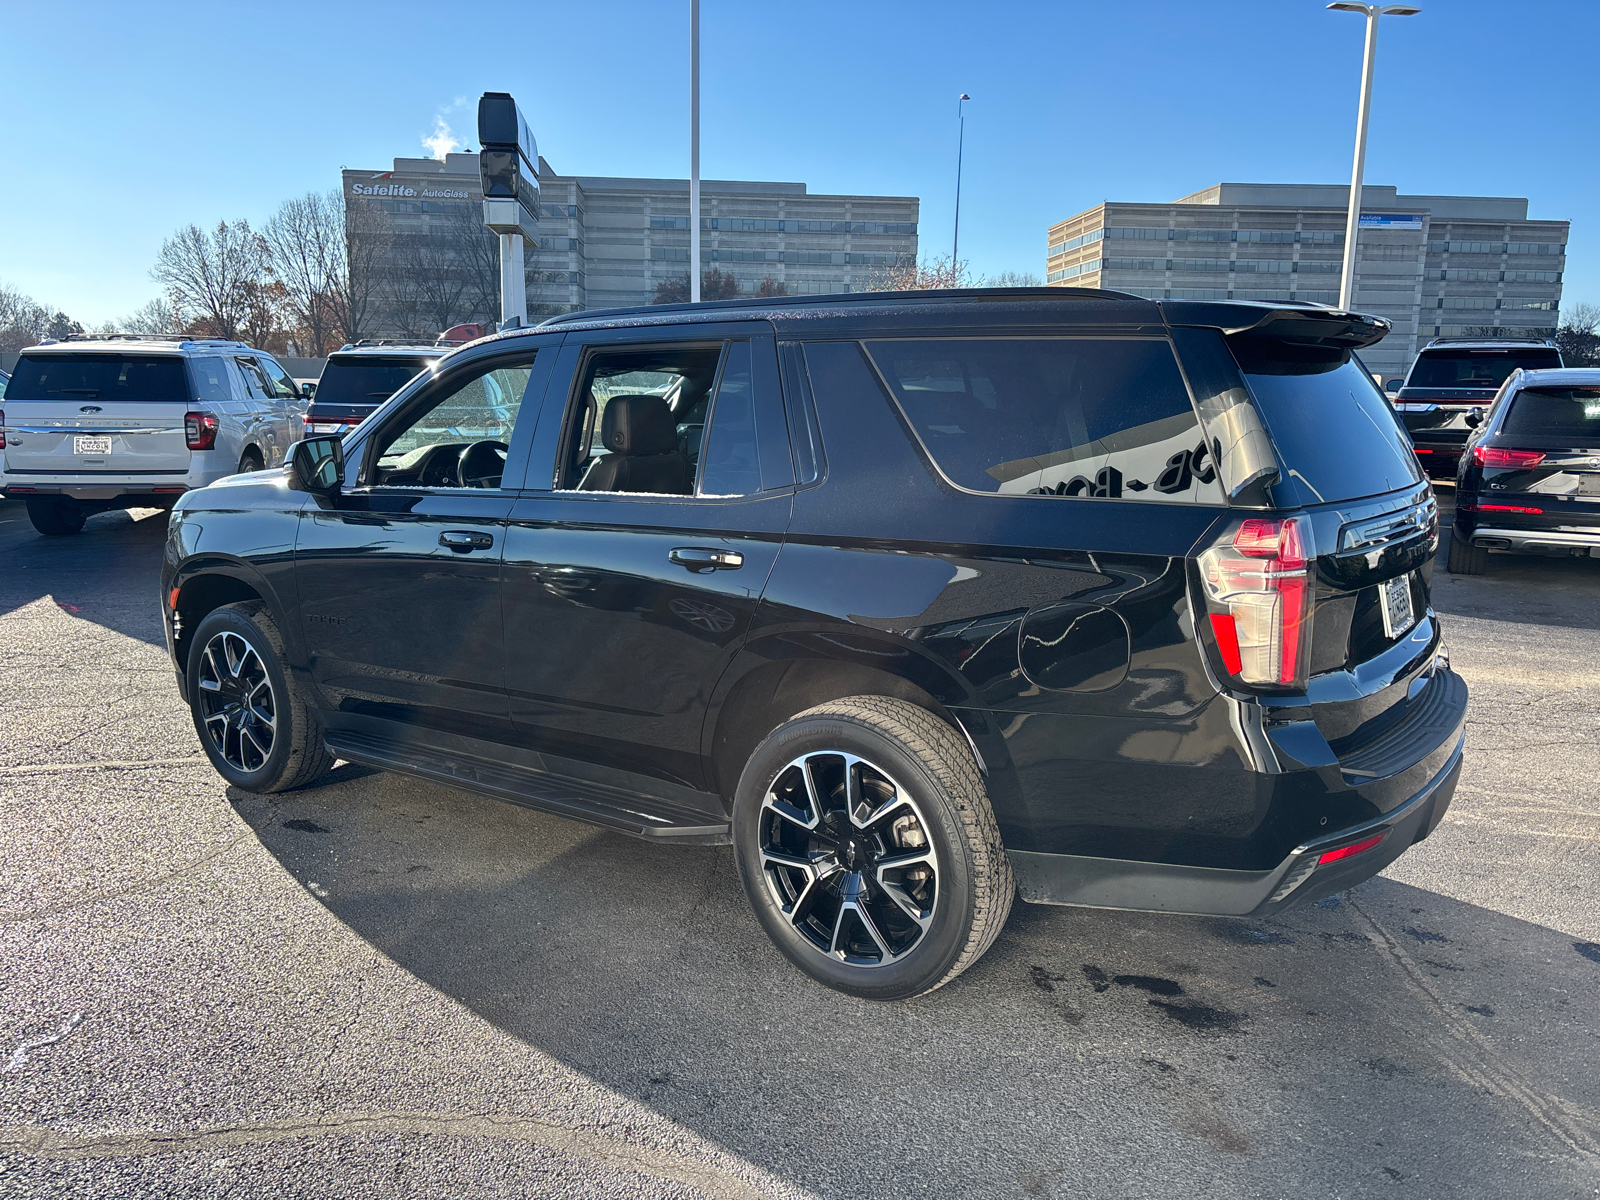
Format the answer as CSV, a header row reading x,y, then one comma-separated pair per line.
x,y
482,464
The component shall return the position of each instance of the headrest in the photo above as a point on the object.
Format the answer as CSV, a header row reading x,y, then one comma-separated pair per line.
x,y
638,425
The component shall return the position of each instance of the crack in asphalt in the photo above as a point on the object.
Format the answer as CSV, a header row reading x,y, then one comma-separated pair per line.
x,y
1481,1066
604,1149
110,764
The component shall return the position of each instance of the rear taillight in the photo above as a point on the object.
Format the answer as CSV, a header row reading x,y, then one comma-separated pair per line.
x,y
1360,847
1499,456
322,426
200,430
1258,597
2,429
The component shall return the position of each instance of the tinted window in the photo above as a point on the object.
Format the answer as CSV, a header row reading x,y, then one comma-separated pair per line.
x,y
210,376
1572,414
99,377
282,385
1076,417
364,380
1334,431
730,465
1476,368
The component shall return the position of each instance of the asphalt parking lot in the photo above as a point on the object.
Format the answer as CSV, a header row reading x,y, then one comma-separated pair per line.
x,y
381,987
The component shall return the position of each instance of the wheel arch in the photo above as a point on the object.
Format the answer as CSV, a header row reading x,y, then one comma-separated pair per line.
x,y
202,586
780,676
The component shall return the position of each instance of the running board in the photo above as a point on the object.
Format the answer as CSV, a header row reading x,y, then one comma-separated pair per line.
x,y
581,800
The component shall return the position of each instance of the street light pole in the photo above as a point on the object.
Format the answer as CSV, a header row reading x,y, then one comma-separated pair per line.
x,y
1347,281
694,151
961,142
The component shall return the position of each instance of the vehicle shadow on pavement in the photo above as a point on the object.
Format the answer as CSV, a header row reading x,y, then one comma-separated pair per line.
x,y
1563,592
88,573
1393,1035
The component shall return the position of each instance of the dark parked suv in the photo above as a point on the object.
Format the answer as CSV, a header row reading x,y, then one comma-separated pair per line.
x,y
359,377
919,600
1451,379
1530,480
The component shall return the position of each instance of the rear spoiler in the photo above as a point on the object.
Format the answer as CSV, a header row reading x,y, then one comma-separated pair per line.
x,y
1308,325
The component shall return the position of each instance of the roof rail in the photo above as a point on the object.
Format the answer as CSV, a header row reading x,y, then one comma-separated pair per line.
x,y
1530,341
180,338
418,343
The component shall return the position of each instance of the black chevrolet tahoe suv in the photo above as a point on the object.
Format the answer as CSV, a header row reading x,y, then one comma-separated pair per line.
x,y
919,600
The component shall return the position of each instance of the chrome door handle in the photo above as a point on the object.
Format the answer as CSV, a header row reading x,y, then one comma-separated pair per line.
x,y
464,541
700,560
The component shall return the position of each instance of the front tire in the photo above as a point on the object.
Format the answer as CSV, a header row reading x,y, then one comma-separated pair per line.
x,y
1465,558
868,848
56,518
252,723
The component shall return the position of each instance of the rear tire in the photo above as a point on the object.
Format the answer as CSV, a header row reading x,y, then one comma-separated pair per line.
x,y
56,518
251,720
1465,558
249,461
868,848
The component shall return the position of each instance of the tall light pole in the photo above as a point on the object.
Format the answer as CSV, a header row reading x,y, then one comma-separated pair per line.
x,y
961,142
1347,282
694,151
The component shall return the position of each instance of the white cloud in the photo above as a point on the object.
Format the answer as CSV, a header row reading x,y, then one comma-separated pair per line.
x,y
442,141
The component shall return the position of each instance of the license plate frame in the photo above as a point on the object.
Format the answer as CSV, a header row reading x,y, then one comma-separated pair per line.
x,y
1396,605
91,445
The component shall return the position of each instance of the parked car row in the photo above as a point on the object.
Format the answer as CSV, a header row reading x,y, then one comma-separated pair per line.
x,y
99,422
1519,434
921,601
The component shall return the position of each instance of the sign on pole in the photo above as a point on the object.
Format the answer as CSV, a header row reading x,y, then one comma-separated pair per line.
x,y
508,163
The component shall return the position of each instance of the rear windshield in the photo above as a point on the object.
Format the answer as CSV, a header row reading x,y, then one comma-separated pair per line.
x,y
1476,368
1335,433
1571,413
364,380
99,377
1087,418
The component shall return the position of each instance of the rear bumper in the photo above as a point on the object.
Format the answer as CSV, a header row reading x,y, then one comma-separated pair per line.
x,y
1538,541
1205,891
89,486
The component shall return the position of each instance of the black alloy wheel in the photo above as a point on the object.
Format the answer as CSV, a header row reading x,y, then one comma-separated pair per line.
x,y
868,849
252,722
236,705
845,852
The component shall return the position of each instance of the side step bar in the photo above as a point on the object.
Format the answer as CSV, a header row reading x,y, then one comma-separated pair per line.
x,y
581,800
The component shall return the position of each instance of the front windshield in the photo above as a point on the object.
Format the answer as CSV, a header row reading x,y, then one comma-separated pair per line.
x,y
365,380
1476,368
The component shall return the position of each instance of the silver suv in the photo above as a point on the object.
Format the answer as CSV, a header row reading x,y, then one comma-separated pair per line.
x,y
94,423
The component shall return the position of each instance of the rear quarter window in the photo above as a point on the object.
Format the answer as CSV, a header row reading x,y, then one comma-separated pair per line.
x,y
1080,418
1334,431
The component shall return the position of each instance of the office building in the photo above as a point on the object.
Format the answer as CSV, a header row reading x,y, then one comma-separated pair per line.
x,y
1431,265
605,242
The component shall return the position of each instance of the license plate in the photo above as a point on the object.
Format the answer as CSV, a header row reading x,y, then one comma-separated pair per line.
x,y
91,445
1589,485
1394,598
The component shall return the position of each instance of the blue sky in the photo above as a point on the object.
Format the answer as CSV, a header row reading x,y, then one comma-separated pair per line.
x,y
128,121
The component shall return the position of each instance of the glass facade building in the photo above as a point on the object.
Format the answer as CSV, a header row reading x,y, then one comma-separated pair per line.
x,y
1431,265
609,242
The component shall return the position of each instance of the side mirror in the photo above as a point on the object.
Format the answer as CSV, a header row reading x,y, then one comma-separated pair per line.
x,y
1391,387
315,465
308,390
1474,418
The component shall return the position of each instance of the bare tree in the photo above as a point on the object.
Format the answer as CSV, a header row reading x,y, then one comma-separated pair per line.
x,y
1579,335
715,284
156,317
306,239
771,287
22,320
212,278
354,293
1012,279
908,275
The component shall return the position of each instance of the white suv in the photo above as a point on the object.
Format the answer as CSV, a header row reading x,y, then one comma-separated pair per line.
x,y
96,423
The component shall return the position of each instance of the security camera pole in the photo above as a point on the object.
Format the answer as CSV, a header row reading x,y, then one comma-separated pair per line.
x,y
1347,283
509,166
